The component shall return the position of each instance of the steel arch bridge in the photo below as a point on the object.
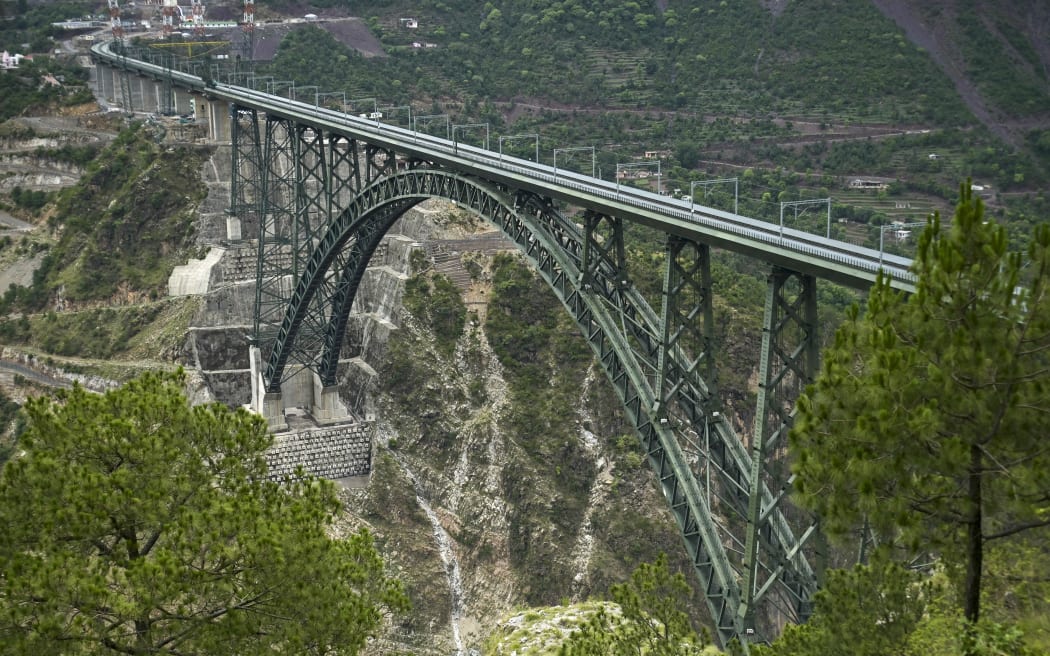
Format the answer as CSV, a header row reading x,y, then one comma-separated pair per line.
x,y
321,188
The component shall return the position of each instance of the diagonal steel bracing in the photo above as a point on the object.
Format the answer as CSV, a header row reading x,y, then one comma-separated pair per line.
x,y
304,178
788,361
247,166
277,262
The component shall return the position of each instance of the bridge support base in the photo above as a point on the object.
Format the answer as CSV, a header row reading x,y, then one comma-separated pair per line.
x,y
273,411
233,228
268,404
326,408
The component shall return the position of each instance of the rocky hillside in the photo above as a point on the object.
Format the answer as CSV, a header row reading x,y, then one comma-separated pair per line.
x,y
504,474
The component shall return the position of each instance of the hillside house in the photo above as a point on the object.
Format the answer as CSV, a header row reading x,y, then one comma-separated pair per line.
x,y
10,61
862,183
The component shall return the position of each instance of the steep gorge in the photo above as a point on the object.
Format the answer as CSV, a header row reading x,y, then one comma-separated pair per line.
x,y
513,438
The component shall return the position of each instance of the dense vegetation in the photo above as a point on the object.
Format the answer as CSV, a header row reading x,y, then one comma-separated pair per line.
x,y
925,427
8,412
716,58
30,23
26,88
26,29
717,88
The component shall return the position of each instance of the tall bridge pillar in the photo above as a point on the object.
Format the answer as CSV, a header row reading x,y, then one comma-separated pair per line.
x,y
215,114
182,102
100,91
120,88
150,97
136,90
158,98
107,83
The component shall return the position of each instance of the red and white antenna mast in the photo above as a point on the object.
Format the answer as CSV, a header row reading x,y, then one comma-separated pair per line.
x,y
248,25
249,16
168,12
114,20
198,18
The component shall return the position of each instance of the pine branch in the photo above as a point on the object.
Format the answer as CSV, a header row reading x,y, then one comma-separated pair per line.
x,y
1013,530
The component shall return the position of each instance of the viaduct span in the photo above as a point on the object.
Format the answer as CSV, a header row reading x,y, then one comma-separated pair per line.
x,y
318,188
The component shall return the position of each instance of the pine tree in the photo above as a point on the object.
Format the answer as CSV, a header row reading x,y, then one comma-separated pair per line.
x,y
930,415
133,523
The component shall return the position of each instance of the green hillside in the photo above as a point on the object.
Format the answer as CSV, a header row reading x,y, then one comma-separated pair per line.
x,y
818,58
832,89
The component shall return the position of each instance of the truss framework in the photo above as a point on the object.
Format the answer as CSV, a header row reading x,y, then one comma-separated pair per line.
x,y
322,202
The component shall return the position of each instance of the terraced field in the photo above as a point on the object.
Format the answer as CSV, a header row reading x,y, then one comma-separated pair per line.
x,y
624,75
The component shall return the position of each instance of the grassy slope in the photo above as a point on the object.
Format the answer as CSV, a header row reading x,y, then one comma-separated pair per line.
x,y
120,231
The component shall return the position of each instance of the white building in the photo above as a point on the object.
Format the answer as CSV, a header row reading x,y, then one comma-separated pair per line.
x,y
9,61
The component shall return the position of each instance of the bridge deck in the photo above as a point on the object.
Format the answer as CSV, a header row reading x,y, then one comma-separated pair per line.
x,y
824,258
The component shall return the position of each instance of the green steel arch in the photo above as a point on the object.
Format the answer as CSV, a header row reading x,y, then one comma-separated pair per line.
x,y
653,359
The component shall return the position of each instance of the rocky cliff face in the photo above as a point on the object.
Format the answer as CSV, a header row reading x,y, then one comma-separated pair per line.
x,y
519,456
